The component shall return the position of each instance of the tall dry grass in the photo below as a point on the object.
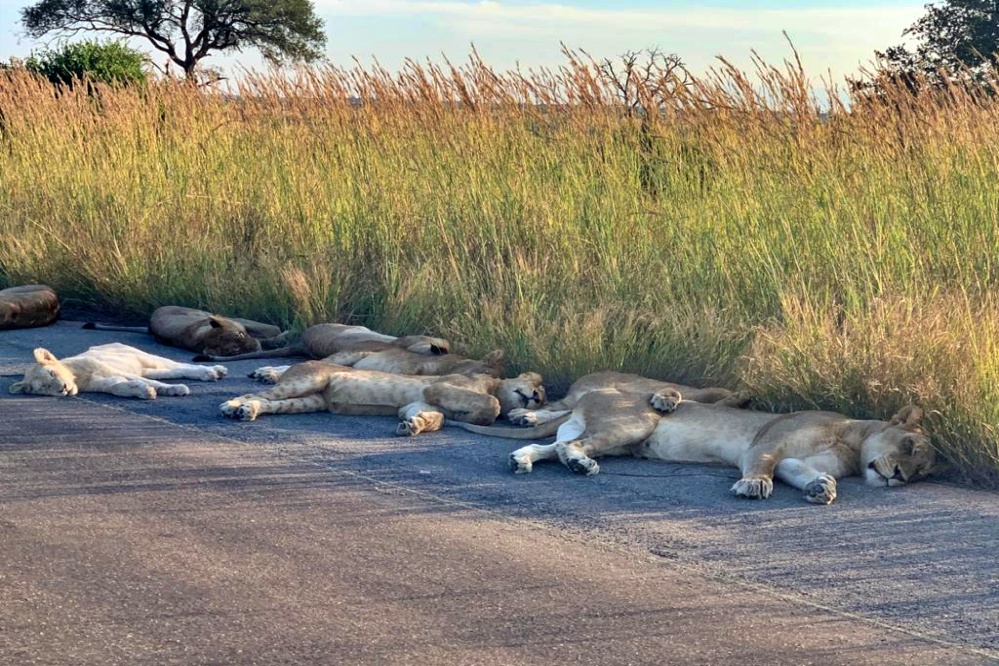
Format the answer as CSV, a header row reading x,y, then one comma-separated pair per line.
x,y
845,259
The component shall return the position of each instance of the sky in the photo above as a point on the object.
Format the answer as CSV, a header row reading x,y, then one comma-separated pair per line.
x,y
835,37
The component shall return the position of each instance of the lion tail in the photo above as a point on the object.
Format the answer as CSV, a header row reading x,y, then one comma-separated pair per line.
x,y
535,432
280,352
94,326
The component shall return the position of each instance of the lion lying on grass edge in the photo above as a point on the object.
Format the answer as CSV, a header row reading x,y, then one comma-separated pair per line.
x,y
808,450
203,332
113,368
352,342
399,362
421,402
27,306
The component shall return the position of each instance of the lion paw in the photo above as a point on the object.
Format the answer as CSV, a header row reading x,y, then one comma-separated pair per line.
x,y
753,487
520,464
821,490
212,373
175,390
408,428
244,411
266,375
583,465
139,389
522,417
666,401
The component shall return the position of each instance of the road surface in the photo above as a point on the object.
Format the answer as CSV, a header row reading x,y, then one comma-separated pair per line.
x,y
158,532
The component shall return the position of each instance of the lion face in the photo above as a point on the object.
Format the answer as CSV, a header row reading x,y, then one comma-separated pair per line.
x,y
522,392
896,456
48,377
224,339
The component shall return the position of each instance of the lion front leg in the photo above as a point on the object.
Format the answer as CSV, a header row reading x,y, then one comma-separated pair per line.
x,y
124,387
249,407
419,417
269,374
818,487
757,465
534,417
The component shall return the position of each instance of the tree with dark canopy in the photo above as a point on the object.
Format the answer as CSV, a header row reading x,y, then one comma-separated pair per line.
x,y
955,36
189,30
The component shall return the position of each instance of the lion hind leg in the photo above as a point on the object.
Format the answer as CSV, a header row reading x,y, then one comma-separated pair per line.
x,y
166,389
205,373
347,358
463,404
575,456
522,460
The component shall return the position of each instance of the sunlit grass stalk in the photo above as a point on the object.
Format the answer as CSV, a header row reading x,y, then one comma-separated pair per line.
x,y
737,235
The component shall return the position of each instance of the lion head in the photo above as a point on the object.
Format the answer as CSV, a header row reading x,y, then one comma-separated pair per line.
x,y
899,454
522,392
226,338
48,377
423,344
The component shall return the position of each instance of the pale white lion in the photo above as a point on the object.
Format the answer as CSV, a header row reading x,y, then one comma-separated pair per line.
x,y
113,368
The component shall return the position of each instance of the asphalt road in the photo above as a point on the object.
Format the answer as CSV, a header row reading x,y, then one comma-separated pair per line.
x,y
158,532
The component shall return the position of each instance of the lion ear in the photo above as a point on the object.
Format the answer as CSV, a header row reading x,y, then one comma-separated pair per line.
x,y
43,356
215,322
17,387
438,350
493,357
910,415
531,377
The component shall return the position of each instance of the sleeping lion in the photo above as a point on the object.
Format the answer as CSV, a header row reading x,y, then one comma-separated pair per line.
x,y
114,368
808,450
203,332
350,341
421,402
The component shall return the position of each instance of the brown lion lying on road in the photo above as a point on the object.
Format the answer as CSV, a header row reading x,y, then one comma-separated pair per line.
x,y
28,306
808,450
203,332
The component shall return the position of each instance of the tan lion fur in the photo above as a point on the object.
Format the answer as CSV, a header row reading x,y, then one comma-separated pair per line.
x,y
28,306
204,332
422,402
399,361
808,450
325,340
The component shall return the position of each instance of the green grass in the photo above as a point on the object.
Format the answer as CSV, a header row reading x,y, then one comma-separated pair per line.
x,y
737,239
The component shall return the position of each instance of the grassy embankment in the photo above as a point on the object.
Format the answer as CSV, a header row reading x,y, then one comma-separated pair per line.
x,y
849,264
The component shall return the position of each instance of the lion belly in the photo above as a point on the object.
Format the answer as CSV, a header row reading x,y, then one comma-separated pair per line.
x,y
370,388
114,358
696,434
